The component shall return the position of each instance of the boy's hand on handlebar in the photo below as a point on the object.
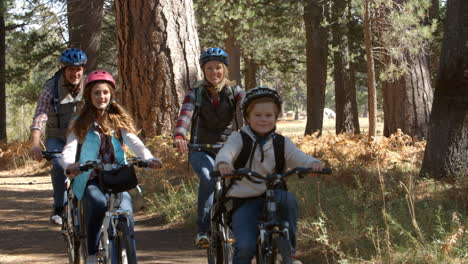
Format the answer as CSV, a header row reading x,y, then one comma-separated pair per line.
x,y
316,166
73,170
181,145
155,163
225,168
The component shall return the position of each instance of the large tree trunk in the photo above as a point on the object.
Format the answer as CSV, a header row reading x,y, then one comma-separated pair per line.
x,y
446,152
84,27
372,93
250,73
234,51
3,123
158,53
407,101
344,92
316,53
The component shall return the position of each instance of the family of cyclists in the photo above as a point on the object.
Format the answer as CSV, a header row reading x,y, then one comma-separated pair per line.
x,y
82,120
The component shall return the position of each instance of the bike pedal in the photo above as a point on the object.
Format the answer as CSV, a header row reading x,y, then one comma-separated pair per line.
x,y
203,245
231,240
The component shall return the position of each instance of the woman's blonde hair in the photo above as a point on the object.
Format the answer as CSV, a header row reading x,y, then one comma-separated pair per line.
x,y
114,118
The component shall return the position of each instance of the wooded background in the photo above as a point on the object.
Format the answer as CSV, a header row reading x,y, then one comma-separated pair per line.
x,y
402,61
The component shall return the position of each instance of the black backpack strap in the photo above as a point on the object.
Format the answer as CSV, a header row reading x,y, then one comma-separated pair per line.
x,y
243,157
78,152
278,147
195,117
55,102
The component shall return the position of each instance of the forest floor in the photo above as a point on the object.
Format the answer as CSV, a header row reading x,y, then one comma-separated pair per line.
x,y
27,236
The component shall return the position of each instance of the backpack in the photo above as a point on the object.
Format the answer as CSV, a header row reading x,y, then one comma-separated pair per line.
x,y
278,148
55,99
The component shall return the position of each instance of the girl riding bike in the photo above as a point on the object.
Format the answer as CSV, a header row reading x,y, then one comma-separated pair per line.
x,y
258,147
98,133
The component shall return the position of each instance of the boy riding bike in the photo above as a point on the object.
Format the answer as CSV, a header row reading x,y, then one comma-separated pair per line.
x,y
258,147
99,133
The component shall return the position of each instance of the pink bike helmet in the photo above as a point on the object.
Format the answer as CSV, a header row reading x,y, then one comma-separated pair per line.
x,y
100,76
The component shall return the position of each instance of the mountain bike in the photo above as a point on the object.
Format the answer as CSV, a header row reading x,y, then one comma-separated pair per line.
x,y
273,242
220,249
70,224
116,245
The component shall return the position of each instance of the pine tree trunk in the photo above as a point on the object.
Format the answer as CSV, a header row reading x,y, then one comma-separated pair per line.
x,y
3,123
407,101
317,54
342,75
250,73
234,52
446,154
158,54
84,25
372,93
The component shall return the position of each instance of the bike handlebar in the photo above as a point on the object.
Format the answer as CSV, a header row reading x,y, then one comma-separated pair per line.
x,y
97,164
48,155
199,147
245,172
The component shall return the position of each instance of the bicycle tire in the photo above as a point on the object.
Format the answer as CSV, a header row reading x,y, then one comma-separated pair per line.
x,y
124,245
214,252
70,236
281,251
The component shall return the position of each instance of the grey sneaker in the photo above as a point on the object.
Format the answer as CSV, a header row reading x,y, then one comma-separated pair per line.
x,y
56,217
202,240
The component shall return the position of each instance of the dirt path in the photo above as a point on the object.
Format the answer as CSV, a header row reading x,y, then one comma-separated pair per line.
x,y
26,236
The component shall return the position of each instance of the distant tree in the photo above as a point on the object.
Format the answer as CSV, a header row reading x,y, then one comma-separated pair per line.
x,y
3,126
317,55
406,82
345,90
158,54
84,27
446,154
372,93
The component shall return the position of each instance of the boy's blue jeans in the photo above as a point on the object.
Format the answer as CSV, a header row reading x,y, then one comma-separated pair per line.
x,y
95,206
245,224
57,174
203,163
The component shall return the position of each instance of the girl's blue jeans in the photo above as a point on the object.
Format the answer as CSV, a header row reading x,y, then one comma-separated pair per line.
x,y
203,163
95,206
245,224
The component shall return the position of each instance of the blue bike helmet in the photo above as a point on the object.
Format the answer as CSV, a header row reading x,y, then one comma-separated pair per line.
x,y
213,54
260,92
73,57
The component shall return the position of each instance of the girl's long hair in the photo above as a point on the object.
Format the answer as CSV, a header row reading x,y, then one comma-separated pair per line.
x,y
114,118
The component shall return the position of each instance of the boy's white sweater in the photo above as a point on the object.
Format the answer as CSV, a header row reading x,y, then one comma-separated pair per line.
x,y
245,188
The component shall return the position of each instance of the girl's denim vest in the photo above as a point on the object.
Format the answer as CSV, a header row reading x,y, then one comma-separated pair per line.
x,y
90,152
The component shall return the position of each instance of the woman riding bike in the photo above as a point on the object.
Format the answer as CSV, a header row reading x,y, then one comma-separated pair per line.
x,y
210,106
99,132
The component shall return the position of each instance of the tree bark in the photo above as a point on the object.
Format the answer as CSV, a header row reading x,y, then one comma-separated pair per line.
x,y
317,54
234,51
3,123
344,91
446,154
84,25
372,93
250,73
407,101
158,52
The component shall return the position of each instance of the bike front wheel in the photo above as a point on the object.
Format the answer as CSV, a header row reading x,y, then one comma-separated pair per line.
x,y
124,247
281,251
